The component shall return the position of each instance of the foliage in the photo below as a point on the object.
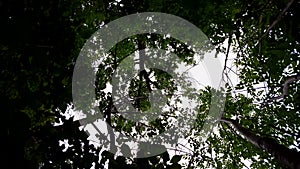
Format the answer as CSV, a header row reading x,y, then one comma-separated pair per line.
x,y
39,44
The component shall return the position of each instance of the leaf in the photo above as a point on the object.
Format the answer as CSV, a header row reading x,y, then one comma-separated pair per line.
x,y
176,159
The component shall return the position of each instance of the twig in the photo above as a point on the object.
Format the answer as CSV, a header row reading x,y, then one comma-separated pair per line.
x,y
230,68
229,80
185,147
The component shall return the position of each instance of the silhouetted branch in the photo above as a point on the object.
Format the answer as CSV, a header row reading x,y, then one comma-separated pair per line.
x,y
276,20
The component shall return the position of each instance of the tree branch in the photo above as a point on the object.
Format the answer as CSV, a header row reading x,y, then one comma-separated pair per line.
x,y
227,52
284,155
276,20
286,87
251,137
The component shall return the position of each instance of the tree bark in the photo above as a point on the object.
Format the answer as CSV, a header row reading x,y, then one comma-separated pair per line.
x,y
284,155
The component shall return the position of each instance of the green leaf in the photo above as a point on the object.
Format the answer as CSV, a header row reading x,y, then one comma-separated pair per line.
x,y
176,159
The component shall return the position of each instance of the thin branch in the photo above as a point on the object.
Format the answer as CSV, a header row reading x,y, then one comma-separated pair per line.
x,y
229,80
260,23
276,20
230,68
175,149
285,88
244,165
185,147
243,90
227,52
39,46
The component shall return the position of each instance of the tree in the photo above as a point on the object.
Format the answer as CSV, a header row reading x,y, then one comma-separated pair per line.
x,y
40,42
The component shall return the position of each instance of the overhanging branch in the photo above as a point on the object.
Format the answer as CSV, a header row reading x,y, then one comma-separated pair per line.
x,y
286,87
284,155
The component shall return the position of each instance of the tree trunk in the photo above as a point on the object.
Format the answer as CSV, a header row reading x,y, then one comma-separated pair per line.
x,y
284,155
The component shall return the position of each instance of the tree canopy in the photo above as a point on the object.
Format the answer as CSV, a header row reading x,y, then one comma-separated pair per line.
x,y
41,40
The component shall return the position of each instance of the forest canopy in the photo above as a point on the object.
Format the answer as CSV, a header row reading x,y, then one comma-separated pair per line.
x,y
258,42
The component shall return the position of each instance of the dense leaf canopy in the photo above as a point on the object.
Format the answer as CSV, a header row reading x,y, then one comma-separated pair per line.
x,y
41,40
